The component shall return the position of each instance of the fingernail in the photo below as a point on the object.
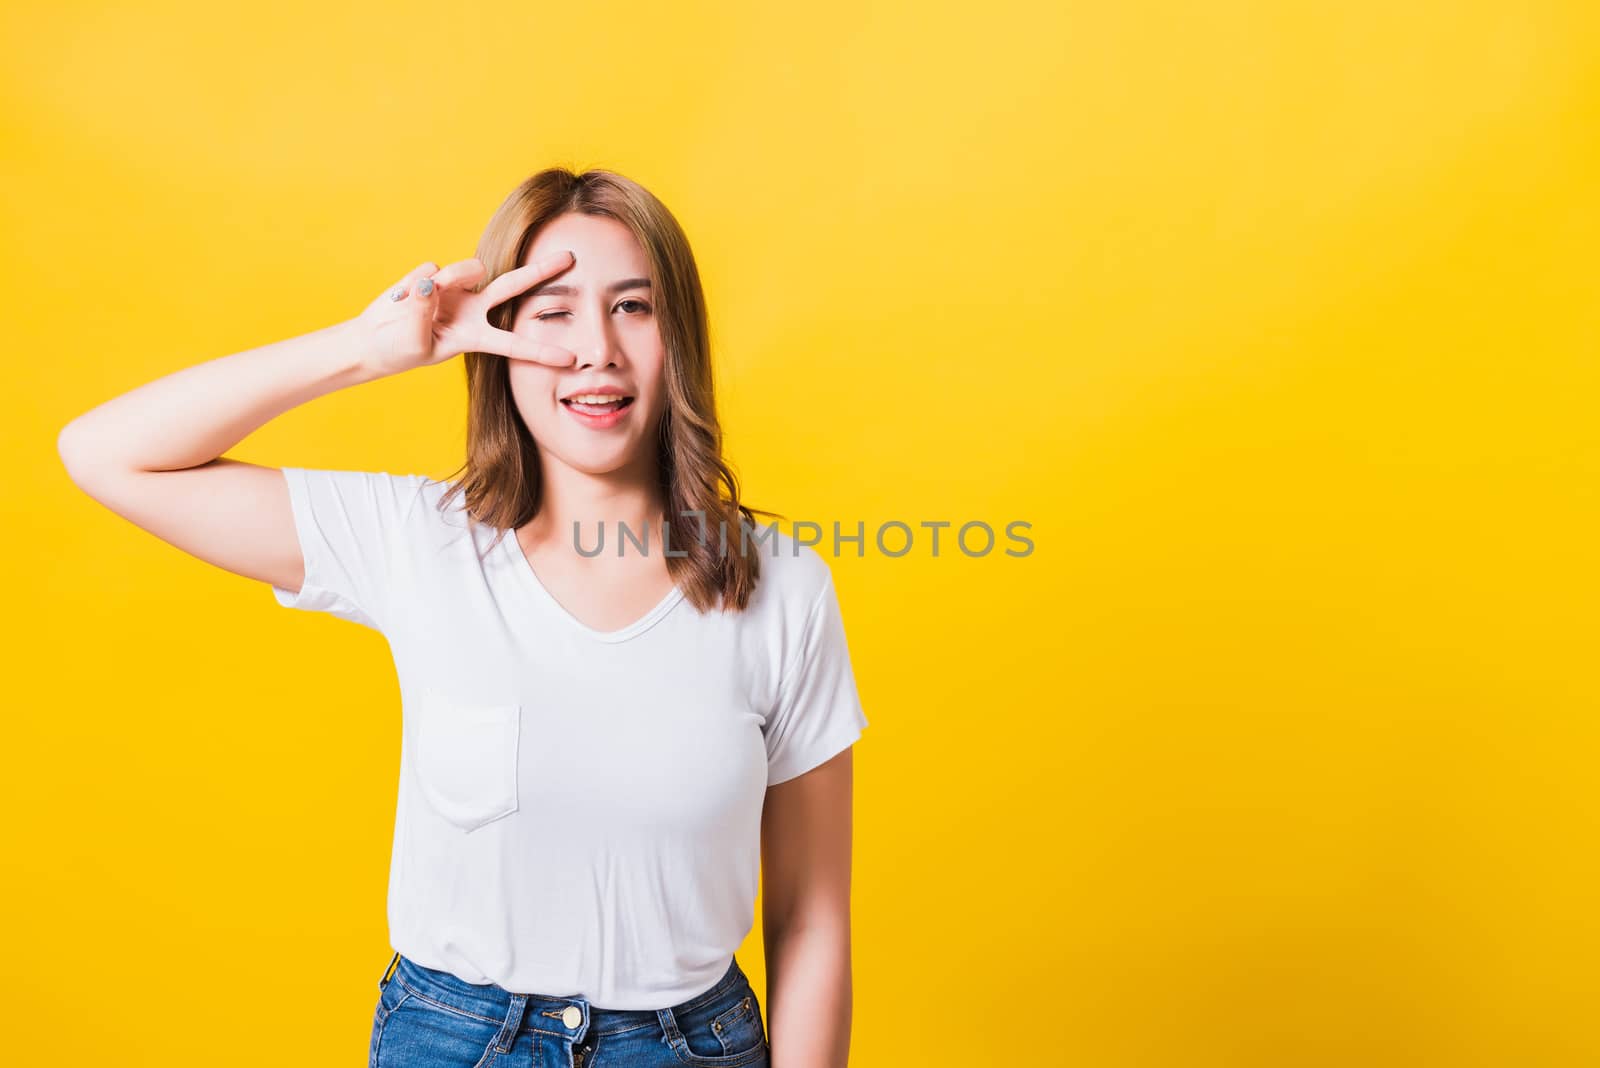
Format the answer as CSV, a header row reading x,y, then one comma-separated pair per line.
x,y
425,286
397,292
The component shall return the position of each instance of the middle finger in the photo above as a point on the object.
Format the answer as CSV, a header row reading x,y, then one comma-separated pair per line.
x,y
518,279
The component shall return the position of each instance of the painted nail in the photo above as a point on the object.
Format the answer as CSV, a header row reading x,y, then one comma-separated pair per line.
x,y
425,286
397,292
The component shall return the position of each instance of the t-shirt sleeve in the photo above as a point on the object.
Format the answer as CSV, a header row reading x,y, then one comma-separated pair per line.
x,y
348,523
818,713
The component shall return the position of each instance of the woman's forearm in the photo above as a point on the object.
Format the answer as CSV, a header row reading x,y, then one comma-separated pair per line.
x,y
194,415
809,995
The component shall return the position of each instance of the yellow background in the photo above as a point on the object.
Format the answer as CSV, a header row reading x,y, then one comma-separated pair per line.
x,y
1276,321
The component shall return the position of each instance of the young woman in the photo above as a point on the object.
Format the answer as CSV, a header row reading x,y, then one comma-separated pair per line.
x,y
600,750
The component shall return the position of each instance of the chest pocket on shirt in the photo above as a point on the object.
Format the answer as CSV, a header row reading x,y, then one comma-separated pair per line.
x,y
465,756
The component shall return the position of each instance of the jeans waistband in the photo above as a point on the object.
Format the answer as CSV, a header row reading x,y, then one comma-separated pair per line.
x,y
541,1012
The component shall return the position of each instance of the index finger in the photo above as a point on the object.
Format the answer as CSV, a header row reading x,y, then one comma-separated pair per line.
x,y
517,347
518,279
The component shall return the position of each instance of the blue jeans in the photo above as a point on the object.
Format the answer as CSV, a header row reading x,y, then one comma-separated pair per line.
x,y
433,1019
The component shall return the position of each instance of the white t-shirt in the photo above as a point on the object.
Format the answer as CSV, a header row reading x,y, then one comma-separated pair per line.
x,y
578,811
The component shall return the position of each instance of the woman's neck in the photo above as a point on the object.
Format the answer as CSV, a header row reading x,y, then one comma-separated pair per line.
x,y
629,496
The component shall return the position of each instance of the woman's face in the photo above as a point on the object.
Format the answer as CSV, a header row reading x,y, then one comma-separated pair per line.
x,y
601,309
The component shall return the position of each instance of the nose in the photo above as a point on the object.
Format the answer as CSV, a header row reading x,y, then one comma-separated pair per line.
x,y
597,345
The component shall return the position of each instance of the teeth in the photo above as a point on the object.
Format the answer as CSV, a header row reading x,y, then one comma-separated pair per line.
x,y
595,398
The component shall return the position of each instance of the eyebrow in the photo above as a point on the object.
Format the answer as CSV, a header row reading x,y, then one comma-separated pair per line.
x,y
561,289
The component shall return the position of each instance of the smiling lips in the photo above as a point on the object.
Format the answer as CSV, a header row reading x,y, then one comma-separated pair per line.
x,y
599,407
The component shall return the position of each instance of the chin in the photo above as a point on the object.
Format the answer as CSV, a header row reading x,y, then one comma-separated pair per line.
x,y
591,463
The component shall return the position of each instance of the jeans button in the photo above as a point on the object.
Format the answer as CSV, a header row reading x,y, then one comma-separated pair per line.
x,y
572,1016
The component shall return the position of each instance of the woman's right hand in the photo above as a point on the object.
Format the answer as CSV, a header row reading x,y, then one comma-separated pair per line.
x,y
406,327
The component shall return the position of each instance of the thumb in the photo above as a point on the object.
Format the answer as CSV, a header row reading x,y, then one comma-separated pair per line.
x,y
408,281
421,270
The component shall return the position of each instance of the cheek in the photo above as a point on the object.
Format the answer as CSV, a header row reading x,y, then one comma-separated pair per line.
x,y
533,387
651,373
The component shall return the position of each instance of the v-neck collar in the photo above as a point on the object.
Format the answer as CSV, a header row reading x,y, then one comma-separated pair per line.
x,y
518,561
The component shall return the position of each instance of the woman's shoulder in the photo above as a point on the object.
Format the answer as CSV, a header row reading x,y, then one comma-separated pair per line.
x,y
413,504
793,573
420,500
